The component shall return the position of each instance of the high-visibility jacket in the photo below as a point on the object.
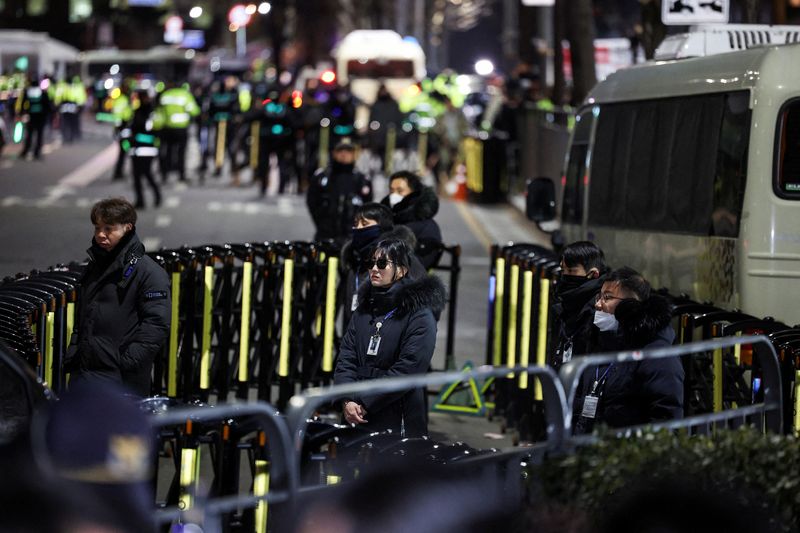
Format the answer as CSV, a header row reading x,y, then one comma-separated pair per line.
x,y
177,107
122,110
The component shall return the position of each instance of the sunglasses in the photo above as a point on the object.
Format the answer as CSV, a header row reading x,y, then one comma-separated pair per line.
x,y
382,263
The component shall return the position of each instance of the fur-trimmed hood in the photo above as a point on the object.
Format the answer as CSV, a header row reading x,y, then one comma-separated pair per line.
x,y
407,296
641,322
420,205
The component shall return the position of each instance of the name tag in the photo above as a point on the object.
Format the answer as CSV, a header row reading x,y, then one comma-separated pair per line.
x,y
374,345
566,356
590,406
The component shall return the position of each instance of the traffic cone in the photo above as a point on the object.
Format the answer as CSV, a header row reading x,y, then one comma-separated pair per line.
x,y
459,184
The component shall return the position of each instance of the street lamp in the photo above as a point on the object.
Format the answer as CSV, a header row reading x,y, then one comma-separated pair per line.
x,y
239,18
484,67
196,12
264,7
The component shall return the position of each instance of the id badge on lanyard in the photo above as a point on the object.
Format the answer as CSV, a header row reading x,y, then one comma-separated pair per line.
x,y
591,400
375,340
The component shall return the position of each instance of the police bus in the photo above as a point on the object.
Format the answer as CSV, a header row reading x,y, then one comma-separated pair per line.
x,y
688,169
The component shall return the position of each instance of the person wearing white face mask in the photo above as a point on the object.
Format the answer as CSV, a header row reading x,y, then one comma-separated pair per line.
x,y
414,205
630,316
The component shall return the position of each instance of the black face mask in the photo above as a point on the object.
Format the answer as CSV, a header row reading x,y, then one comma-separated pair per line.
x,y
363,237
567,283
342,168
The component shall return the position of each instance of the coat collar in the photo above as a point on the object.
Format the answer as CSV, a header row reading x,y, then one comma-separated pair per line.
x,y
407,296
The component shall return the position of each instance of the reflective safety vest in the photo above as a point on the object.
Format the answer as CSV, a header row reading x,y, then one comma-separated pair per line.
x,y
245,99
177,107
122,110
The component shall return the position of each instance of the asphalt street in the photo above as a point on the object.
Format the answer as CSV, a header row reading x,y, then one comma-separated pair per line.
x,y
44,216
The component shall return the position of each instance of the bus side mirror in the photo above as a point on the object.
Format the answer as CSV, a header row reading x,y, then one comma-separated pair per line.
x,y
540,203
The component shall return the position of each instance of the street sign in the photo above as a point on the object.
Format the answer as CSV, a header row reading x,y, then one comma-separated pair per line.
x,y
689,12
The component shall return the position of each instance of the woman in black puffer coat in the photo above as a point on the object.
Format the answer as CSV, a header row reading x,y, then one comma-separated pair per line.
x,y
392,333
414,205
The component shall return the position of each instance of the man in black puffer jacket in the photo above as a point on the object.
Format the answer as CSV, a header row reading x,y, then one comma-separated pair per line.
x,y
124,309
414,205
629,316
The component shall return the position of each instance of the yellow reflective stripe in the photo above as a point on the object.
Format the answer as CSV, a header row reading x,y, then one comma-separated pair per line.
x,y
286,324
190,465
254,140
70,321
222,128
330,314
333,480
260,488
48,350
499,293
797,402
513,303
737,350
172,363
205,358
244,329
541,357
525,340
324,142
422,152
717,368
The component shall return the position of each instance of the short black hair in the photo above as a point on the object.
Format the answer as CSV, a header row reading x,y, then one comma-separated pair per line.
x,y
414,182
631,281
586,254
395,250
374,211
114,211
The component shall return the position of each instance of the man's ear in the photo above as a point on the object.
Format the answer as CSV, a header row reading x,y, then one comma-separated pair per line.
x,y
593,273
128,227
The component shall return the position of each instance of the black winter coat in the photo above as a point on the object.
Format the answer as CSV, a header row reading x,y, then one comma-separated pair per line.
x,y
408,339
332,198
574,316
123,317
650,390
417,211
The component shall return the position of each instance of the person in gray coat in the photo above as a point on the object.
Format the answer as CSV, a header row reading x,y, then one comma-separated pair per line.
x,y
392,333
123,314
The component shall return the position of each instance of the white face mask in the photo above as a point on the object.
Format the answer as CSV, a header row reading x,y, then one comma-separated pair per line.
x,y
395,198
605,321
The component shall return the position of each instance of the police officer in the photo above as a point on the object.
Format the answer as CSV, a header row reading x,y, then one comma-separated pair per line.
x,y
177,108
124,312
35,105
70,99
122,110
223,109
335,193
145,125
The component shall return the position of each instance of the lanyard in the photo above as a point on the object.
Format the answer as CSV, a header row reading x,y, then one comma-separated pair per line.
x,y
379,324
600,380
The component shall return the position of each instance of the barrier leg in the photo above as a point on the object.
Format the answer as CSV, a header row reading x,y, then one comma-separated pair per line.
x,y
330,314
172,357
244,330
205,353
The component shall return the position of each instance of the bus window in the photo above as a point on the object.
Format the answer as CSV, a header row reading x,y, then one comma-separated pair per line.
x,y
574,186
787,172
671,165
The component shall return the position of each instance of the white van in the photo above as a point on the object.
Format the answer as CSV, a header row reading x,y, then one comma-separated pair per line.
x,y
689,171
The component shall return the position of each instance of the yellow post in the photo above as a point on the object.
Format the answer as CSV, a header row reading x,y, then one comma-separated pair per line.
x,y
797,403
70,321
513,301
260,488
525,340
190,466
499,293
286,318
330,314
172,364
244,327
254,141
222,128
422,151
48,349
541,346
717,369
205,357
391,143
324,144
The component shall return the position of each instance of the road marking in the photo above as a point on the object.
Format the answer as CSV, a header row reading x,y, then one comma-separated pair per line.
x,y
83,175
151,243
180,186
252,209
214,206
474,226
83,202
11,200
162,221
172,202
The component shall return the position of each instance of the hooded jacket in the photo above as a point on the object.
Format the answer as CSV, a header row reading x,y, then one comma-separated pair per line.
x,y
417,211
574,315
641,392
123,317
408,338
353,258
